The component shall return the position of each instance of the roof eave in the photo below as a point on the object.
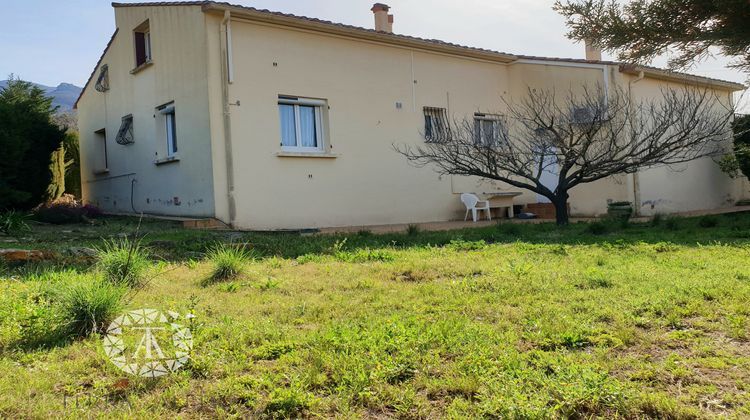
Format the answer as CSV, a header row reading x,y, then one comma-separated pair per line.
x,y
93,72
671,76
357,33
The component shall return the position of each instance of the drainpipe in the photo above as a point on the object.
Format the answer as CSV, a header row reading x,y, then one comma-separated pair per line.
x,y
636,181
226,79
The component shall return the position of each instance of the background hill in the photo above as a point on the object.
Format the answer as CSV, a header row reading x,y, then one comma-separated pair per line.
x,y
64,95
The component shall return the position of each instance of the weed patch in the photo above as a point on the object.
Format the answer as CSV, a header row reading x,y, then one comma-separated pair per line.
x,y
123,261
227,262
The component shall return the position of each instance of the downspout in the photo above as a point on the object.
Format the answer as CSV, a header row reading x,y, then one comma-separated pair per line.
x,y
636,180
226,79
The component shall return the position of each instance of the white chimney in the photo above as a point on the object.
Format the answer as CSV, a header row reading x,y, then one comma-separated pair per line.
x,y
383,21
593,53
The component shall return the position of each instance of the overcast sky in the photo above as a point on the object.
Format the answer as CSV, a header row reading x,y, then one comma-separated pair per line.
x,y
53,41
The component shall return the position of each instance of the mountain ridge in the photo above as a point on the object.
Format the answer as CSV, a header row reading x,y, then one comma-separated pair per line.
x,y
63,95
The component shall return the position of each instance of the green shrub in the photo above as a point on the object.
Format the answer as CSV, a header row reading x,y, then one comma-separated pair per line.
x,y
413,230
90,305
13,223
657,219
673,223
708,221
123,261
597,228
227,261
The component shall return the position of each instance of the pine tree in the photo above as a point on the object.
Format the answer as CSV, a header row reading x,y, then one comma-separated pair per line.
x,y
640,30
28,136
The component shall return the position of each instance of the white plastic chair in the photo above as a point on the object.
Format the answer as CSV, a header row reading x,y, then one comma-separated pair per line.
x,y
471,201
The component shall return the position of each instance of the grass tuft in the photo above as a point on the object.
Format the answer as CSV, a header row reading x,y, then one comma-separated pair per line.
x,y
13,223
228,262
123,261
89,305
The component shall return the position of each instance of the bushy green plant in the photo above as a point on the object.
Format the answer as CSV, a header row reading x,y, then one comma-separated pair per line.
x,y
597,228
657,219
413,230
708,221
123,261
673,223
90,305
227,260
27,139
13,223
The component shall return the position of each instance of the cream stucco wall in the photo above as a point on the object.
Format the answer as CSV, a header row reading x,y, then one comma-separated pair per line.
x,y
179,74
364,181
696,185
368,182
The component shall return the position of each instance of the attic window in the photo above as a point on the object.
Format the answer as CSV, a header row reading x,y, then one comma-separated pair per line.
x,y
102,83
142,37
125,133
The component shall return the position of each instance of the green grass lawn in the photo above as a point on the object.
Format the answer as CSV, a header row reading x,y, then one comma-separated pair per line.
x,y
518,321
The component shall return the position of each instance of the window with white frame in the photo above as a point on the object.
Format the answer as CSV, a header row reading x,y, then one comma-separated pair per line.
x,y
170,128
487,129
301,124
142,39
435,123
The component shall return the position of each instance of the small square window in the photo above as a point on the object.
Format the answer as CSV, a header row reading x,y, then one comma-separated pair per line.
x,y
142,38
435,124
301,124
488,129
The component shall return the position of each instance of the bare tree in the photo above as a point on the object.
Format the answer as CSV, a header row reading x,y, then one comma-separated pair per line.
x,y
578,139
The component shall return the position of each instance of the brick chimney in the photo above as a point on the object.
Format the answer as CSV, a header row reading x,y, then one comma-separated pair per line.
x,y
593,53
383,21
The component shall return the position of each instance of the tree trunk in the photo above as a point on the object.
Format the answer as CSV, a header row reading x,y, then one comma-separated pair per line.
x,y
561,210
